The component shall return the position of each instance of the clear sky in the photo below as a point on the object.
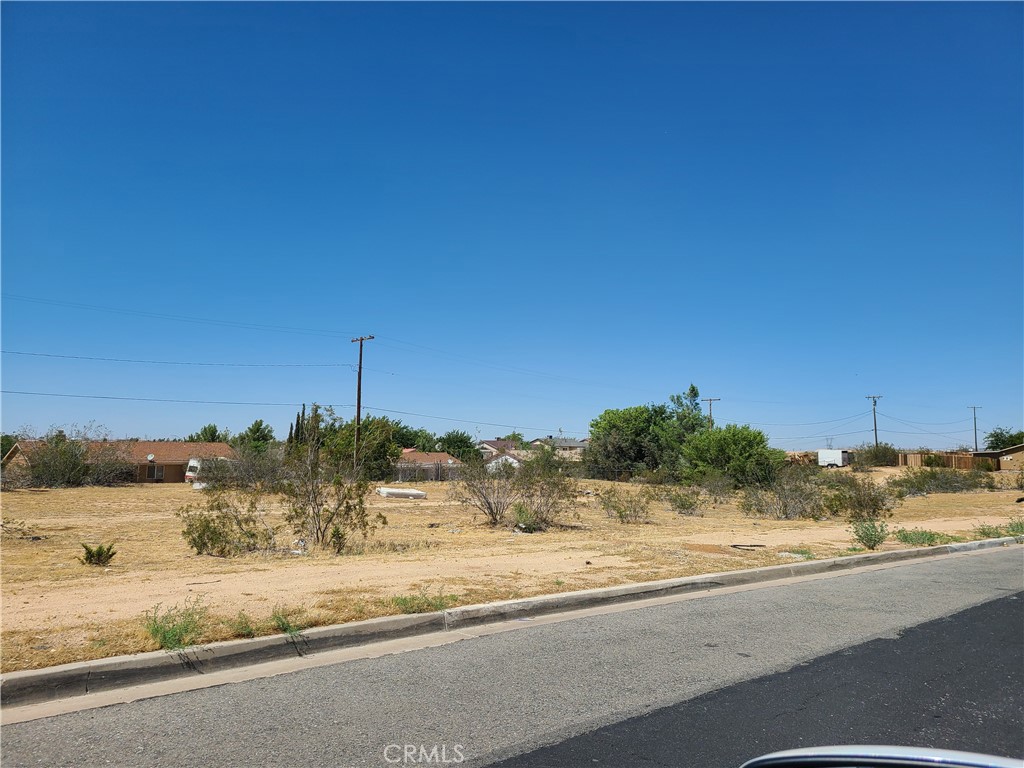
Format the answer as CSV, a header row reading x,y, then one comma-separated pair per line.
x,y
539,210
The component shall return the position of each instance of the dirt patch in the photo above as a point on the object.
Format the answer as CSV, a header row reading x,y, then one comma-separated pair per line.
x,y
56,609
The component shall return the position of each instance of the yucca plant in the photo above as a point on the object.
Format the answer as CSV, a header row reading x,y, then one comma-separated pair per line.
x,y
99,555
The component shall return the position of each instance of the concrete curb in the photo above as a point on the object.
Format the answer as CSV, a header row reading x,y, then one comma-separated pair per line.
x,y
80,678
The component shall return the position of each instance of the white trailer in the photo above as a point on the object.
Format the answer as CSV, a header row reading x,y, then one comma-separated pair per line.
x,y
833,458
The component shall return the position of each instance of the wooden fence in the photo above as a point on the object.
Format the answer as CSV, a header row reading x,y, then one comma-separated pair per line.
x,y
948,459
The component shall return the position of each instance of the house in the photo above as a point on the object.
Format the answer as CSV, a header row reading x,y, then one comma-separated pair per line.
x,y
422,465
565,447
1007,458
155,461
496,447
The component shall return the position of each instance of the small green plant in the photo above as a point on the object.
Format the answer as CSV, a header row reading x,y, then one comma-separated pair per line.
x,y
98,555
525,520
423,602
802,551
1016,526
983,531
685,501
871,533
176,627
918,537
283,621
241,625
627,506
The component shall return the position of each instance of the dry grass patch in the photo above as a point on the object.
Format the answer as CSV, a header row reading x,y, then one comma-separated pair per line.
x,y
57,610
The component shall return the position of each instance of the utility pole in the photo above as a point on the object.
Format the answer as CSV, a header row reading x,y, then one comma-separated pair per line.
x,y
874,415
359,400
975,409
709,401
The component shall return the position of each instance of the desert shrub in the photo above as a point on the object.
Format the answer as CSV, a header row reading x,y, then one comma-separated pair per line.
x,y
717,486
870,533
63,460
740,452
1016,526
985,531
984,465
870,455
491,490
226,525
685,501
795,494
546,489
282,620
176,627
523,519
241,625
627,506
917,537
99,555
917,482
855,498
1018,481
933,460
422,602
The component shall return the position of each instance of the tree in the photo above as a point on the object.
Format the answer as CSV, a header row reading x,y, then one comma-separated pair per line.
x,y
258,437
741,452
643,438
460,445
420,439
63,460
326,504
6,443
209,434
1002,438
518,439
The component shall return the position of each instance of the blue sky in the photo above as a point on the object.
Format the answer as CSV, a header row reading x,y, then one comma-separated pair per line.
x,y
539,210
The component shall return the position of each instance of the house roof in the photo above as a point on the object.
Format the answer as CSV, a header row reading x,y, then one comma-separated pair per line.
x,y
1001,452
138,451
499,445
421,457
559,442
505,457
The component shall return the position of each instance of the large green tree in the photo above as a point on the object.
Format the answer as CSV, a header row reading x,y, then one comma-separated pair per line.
x,y
740,452
257,438
1001,438
209,434
643,438
460,445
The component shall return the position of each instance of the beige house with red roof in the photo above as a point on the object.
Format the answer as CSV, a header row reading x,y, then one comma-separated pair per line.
x,y
156,461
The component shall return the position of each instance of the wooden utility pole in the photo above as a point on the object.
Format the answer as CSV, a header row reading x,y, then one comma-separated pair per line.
x,y
874,415
709,401
359,401
975,409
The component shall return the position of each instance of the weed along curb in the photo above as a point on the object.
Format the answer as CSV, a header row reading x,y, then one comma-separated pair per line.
x,y
77,679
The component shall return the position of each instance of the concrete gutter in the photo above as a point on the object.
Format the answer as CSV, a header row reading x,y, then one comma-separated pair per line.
x,y
80,678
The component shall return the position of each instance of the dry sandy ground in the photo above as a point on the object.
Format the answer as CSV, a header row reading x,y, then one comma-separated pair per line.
x,y
56,609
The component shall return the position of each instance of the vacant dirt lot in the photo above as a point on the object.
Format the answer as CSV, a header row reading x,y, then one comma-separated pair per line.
x,y
56,609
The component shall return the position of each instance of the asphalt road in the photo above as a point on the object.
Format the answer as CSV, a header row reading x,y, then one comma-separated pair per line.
x,y
858,652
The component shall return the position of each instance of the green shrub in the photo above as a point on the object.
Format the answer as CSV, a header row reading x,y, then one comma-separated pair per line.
x,y
918,482
717,486
223,527
984,465
627,506
795,494
869,455
983,531
176,627
98,555
525,520
870,533
1016,526
241,625
685,501
1018,481
917,537
281,619
933,460
855,498
423,602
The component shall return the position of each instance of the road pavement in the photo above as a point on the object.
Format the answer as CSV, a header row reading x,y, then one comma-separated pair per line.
x,y
496,696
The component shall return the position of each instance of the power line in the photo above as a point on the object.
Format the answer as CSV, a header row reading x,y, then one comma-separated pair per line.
x,y
182,362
